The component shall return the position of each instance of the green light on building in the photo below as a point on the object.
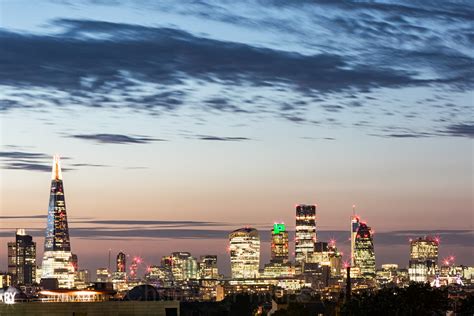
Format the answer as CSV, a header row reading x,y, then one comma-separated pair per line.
x,y
278,228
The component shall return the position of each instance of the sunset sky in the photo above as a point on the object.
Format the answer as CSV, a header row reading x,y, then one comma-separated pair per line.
x,y
180,121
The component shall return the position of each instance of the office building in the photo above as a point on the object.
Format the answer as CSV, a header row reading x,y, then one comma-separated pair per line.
x,y
423,262
208,267
57,258
244,253
22,258
279,250
121,264
364,255
305,232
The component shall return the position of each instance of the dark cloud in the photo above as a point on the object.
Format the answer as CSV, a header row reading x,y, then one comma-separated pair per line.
x,y
222,139
23,216
466,130
153,222
116,138
23,155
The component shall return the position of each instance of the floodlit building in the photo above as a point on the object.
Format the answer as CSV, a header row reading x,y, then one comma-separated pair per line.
x,y
57,258
103,275
22,258
121,263
183,266
244,253
364,255
208,267
423,262
355,223
279,250
305,232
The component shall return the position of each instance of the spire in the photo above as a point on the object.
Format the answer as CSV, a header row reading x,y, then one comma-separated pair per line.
x,y
56,174
353,209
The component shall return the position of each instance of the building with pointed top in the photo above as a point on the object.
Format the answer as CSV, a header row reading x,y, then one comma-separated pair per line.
x,y
364,255
57,259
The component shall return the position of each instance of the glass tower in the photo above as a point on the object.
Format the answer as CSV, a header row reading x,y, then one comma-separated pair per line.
x,y
22,258
364,255
121,262
57,259
305,232
279,249
244,253
423,262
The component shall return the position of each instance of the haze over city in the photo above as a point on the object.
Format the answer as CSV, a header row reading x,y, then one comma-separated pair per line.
x,y
178,122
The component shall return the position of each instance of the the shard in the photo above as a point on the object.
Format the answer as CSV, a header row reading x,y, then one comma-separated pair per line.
x,y
57,259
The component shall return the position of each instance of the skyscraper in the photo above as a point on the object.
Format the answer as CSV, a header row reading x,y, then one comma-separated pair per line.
x,y
208,267
121,262
355,221
305,232
364,255
244,253
279,250
22,258
423,259
57,258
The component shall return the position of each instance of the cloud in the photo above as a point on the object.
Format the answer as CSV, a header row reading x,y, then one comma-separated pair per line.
x,y
466,130
23,155
222,139
116,138
23,217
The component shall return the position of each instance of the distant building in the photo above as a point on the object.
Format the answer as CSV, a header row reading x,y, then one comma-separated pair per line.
x,y
103,275
244,253
121,262
305,232
57,258
22,258
355,223
183,266
423,262
208,267
364,255
279,250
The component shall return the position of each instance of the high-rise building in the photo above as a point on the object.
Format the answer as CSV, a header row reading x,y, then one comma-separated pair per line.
x,y
121,262
364,255
208,267
305,232
423,262
183,266
57,258
355,222
103,275
22,258
279,250
244,253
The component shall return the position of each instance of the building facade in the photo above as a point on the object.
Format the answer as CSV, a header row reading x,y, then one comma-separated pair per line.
x,y
355,222
364,255
22,258
121,263
57,258
244,253
305,238
279,250
208,267
423,262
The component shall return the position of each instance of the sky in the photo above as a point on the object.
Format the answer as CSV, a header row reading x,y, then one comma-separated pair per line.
x,y
180,121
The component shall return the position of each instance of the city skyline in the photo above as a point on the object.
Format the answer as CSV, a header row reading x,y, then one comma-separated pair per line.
x,y
186,120
58,242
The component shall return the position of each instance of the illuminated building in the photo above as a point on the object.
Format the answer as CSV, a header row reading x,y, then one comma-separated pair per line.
x,y
423,259
305,232
5,280
57,248
103,275
82,279
364,255
355,222
121,262
22,258
244,253
134,268
388,274
183,266
208,267
280,270
279,250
